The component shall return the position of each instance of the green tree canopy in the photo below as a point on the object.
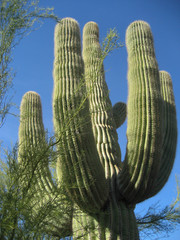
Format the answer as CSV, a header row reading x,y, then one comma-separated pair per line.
x,y
17,19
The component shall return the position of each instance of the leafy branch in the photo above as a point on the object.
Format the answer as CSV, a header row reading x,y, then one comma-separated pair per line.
x,y
157,220
17,19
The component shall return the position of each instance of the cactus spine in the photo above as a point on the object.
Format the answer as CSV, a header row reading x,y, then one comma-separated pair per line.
x,y
104,190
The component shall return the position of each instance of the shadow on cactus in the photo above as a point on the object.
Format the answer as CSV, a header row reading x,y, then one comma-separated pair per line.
x,y
103,189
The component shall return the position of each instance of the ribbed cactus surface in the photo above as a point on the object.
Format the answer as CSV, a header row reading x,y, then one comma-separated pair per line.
x,y
103,189
78,157
33,157
144,114
169,136
103,124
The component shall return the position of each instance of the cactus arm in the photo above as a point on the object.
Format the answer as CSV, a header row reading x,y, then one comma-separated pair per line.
x,y
79,162
32,138
29,116
144,130
169,132
104,128
119,113
32,150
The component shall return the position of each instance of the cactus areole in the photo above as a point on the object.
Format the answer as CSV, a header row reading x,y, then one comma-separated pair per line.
x,y
103,189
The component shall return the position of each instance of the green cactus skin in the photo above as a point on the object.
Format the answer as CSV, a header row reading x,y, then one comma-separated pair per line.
x,y
144,114
32,136
79,161
31,143
119,113
104,129
116,223
170,131
103,124
104,190
31,115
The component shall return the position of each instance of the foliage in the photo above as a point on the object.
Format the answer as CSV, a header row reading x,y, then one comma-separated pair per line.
x,y
110,43
16,219
17,19
16,223
160,221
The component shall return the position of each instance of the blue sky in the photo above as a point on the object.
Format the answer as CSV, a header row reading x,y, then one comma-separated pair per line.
x,y
33,62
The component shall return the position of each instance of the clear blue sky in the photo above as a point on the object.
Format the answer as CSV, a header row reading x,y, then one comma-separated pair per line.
x,y
33,61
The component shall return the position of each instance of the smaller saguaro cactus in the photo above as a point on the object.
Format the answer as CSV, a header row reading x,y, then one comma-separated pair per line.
x,y
103,190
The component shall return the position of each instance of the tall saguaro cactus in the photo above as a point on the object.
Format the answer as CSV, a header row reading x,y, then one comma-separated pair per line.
x,y
103,189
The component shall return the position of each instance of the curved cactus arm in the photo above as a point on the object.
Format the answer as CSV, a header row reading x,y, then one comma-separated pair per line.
x,y
169,132
144,112
78,158
104,127
33,159
119,113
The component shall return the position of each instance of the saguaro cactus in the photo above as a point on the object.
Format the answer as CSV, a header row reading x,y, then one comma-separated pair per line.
x,y
104,190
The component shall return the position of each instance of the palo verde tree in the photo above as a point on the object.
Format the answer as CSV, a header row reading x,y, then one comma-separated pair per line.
x,y
17,19
103,190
